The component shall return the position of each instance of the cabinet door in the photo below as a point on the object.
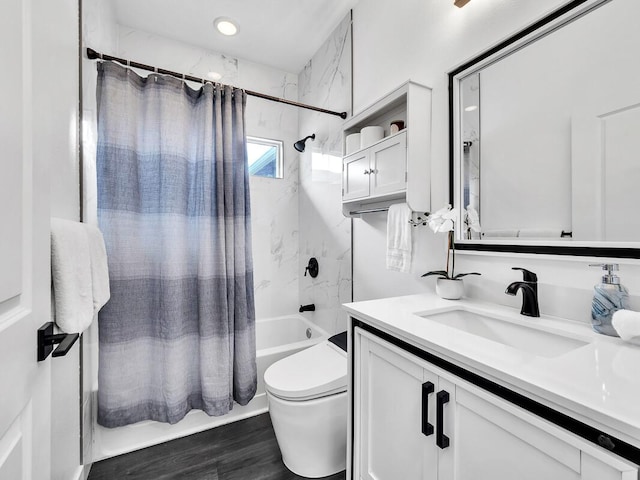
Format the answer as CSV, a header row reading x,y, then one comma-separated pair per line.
x,y
389,439
494,439
355,176
388,163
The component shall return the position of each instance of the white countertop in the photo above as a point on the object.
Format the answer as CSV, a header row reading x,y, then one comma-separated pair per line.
x,y
598,383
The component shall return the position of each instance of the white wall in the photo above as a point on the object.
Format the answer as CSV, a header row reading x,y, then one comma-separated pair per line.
x,y
99,31
324,232
55,114
422,40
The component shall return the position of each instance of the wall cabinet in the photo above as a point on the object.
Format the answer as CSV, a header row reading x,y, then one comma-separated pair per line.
x,y
378,170
397,167
413,420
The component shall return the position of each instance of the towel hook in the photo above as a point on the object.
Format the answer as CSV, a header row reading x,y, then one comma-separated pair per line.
x,y
420,220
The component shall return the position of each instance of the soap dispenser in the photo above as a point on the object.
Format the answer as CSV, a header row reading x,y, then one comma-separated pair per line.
x,y
608,297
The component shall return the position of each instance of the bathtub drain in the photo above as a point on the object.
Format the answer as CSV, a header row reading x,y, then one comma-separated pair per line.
x,y
308,333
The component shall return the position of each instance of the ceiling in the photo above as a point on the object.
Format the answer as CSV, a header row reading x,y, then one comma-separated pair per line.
x,y
281,33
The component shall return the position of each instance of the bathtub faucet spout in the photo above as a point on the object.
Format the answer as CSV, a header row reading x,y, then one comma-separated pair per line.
x,y
307,308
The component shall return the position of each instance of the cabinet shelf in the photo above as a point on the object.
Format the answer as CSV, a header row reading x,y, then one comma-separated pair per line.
x,y
396,168
360,150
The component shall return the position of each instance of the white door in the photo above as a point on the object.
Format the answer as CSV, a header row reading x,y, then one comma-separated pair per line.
x,y
355,176
494,439
606,172
395,437
388,165
24,262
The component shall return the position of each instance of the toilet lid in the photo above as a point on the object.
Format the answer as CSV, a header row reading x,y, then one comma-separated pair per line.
x,y
315,372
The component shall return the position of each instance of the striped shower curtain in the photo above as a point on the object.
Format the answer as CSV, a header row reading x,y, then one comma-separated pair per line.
x,y
173,205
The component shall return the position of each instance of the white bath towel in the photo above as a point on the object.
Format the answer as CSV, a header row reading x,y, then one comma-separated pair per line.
x,y
500,233
627,324
539,233
99,267
399,232
71,276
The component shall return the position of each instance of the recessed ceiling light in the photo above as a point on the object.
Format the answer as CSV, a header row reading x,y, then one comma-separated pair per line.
x,y
215,76
226,26
471,108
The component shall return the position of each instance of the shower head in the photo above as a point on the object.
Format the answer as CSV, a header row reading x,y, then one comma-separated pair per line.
x,y
300,144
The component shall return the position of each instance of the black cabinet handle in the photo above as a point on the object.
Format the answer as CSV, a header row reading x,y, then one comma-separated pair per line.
x,y
427,389
442,440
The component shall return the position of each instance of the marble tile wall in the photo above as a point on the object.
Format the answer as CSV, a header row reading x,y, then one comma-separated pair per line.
x,y
324,232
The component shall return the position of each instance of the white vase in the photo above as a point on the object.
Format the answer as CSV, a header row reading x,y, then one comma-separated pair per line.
x,y
449,289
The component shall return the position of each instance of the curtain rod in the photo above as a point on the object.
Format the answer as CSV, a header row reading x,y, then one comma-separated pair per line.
x,y
93,55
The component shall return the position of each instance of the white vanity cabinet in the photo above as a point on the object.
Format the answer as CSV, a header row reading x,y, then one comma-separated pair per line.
x,y
414,420
378,170
397,167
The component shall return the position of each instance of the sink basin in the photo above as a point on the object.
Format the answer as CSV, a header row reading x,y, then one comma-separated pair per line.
x,y
532,340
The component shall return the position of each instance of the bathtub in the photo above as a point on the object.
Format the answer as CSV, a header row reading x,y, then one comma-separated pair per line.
x,y
276,338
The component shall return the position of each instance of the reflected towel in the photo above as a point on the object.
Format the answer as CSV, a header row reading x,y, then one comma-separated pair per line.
x,y
71,276
500,233
539,233
399,238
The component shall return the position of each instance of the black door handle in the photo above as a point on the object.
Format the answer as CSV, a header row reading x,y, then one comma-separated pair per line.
x,y
442,440
47,339
427,389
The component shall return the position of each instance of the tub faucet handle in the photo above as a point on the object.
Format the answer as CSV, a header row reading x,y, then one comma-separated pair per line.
x,y
312,268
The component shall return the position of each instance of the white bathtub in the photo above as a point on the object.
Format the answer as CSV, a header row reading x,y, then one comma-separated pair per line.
x,y
276,338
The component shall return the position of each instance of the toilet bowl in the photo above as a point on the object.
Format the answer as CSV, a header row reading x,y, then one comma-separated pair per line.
x,y
307,395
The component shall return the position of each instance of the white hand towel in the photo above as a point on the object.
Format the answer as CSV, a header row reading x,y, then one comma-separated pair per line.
x,y
99,267
71,276
627,324
399,238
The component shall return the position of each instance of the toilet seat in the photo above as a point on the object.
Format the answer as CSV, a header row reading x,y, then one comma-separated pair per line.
x,y
312,373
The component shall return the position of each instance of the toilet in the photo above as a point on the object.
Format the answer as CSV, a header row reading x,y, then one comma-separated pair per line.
x,y
307,395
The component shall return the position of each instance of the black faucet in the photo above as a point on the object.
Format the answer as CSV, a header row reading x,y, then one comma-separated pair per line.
x,y
529,287
307,308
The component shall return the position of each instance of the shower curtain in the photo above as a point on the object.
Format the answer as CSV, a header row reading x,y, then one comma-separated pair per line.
x,y
173,204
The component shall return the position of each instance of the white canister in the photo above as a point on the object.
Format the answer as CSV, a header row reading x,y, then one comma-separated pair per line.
x,y
370,135
352,143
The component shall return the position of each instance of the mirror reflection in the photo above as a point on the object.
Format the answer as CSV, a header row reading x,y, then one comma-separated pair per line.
x,y
546,136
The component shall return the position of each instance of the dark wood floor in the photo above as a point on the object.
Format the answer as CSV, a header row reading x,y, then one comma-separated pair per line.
x,y
244,450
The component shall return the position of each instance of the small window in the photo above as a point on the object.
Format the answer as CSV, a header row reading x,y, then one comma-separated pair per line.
x,y
265,157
